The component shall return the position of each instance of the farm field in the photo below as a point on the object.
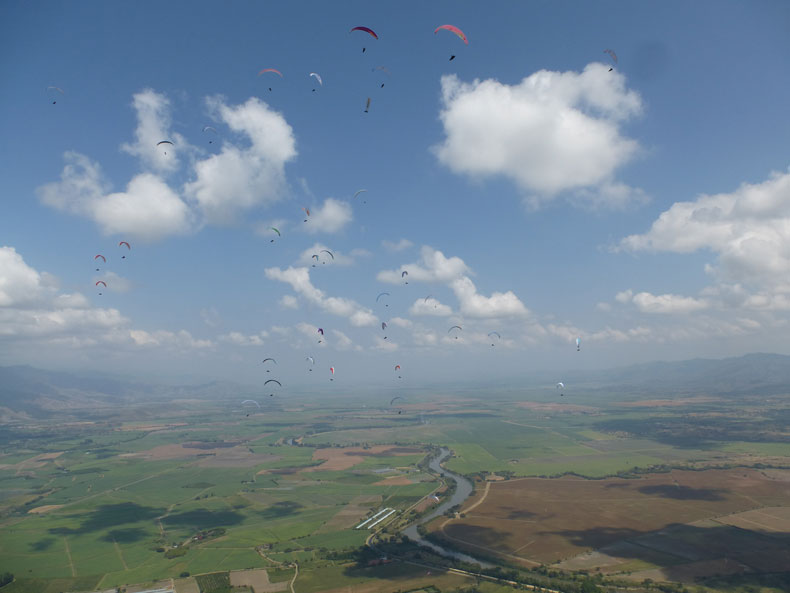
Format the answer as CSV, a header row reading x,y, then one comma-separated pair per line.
x,y
631,492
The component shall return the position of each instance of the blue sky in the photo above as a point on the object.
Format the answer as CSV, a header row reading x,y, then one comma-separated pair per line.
x,y
527,189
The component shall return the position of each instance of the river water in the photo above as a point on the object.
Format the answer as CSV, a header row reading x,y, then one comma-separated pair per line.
x,y
463,489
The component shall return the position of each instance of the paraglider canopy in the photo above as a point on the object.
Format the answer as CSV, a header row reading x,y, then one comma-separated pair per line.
x,y
366,30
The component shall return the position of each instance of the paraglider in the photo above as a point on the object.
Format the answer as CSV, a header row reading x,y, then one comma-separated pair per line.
x,y
276,231
452,29
210,129
561,388
318,78
103,283
164,142
312,362
265,70
104,259
361,191
315,257
403,275
332,370
366,30
393,400
128,247
264,361
494,334
53,92
367,105
384,328
307,212
458,327
320,331
397,368
613,56
381,295
578,344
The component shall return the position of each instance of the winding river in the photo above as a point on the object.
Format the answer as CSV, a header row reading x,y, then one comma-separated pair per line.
x,y
463,489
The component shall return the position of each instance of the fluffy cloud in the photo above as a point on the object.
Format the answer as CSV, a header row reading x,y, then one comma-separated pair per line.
x,y
181,340
237,179
662,303
432,267
153,126
553,132
396,245
221,185
147,210
34,310
299,279
452,271
749,229
430,306
20,284
330,217
240,339
499,304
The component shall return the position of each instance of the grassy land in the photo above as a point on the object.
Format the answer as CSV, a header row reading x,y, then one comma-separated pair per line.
x,y
133,499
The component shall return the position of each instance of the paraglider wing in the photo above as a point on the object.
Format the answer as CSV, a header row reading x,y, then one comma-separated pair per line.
x,y
276,231
125,243
394,398
265,359
332,370
102,282
321,331
164,142
209,128
251,401
578,344
381,295
454,327
317,77
51,92
383,325
359,192
104,259
273,381
332,255
271,70
397,367
366,30
453,29
611,54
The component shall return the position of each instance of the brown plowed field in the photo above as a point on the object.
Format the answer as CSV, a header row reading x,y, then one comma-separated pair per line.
x,y
547,520
339,459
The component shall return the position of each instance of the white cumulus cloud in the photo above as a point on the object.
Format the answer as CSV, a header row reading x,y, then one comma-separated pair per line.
x,y
299,279
237,179
153,126
552,132
329,217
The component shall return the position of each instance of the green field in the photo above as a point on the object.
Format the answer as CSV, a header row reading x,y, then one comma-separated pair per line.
x,y
125,499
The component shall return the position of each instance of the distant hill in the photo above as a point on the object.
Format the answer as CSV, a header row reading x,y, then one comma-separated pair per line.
x,y
26,391
757,374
